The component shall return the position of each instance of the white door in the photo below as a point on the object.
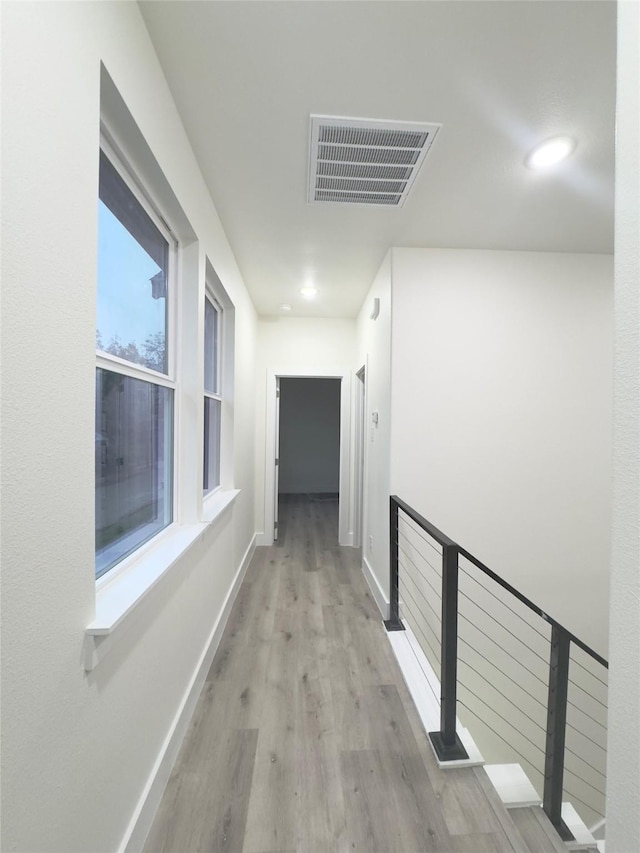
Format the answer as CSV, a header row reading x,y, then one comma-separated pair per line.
x,y
276,461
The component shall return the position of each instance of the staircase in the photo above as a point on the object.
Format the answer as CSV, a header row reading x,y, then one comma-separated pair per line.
x,y
506,785
526,686
527,826
525,808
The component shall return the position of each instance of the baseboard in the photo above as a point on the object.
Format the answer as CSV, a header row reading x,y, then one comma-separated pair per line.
x,y
264,540
348,540
376,590
140,824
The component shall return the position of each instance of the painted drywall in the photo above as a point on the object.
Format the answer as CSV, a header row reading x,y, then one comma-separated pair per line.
x,y
309,436
374,351
78,749
502,404
295,346
623,780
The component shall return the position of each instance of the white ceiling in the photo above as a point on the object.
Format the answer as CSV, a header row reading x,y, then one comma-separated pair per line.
x,y
498,76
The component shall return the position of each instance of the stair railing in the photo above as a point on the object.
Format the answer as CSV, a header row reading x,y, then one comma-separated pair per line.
x,y
442,590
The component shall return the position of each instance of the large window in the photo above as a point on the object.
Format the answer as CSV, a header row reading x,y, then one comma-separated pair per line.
x,y
134,371
212,393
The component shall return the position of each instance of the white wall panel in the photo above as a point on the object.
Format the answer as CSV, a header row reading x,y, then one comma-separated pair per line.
x,y
78,748
374,351
623,784
294,346
501,400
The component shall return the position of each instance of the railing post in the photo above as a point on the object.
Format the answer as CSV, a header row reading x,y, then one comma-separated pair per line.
x,y
446,743
393,623
556,728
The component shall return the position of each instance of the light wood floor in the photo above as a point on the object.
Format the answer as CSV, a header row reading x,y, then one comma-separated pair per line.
x,y
305,737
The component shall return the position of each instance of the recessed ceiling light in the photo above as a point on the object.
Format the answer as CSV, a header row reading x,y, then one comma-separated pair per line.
x,y
550,152
309,292
285,306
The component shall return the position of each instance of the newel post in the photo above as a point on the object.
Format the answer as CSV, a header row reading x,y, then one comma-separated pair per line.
x,y
393,623
556,729
446,743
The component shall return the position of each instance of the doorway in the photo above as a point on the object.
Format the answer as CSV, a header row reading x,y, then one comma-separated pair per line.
x,y
322,487
359,453
308,450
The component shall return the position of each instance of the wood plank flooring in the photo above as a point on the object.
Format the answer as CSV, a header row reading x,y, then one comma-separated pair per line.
x,y
536,829
305,738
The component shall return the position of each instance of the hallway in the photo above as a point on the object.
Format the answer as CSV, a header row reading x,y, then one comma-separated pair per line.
x,y
305,738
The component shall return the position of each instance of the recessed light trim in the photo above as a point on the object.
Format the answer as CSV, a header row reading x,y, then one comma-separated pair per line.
x,y
309,292
285,306
550,152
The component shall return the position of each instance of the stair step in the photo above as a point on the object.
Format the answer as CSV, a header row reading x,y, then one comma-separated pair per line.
x,y
513,785
536,829
584,840
504,817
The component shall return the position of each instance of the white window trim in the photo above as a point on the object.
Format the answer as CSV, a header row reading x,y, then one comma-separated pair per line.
x,y
118,599
139,371
115,364
134,371
207,505
127,584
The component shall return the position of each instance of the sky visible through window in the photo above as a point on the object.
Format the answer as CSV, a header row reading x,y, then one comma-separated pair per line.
x,y
127,313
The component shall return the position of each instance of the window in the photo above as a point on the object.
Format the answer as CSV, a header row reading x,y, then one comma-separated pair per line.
x,y
212,393
134,374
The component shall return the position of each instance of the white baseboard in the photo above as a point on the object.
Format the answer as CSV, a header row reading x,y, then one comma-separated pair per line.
x,y
138,829
265,540
376,590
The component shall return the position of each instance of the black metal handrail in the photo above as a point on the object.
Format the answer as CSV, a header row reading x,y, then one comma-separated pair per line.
x,y
528,603
446,742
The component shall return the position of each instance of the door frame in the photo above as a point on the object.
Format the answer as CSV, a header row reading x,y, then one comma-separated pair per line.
x,y
359,439
345,535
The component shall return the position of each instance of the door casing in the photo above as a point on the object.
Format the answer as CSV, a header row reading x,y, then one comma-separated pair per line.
x,y
345,511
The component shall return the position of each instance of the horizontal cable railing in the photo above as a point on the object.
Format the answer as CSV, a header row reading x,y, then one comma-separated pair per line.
x,y
530,690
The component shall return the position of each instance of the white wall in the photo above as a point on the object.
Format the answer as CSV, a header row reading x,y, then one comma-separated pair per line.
x,y
295,346
502,400
374,350
623,782
78,749
309,436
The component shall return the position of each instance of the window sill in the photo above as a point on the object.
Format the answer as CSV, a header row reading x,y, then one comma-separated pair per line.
x,y
215,503
117,598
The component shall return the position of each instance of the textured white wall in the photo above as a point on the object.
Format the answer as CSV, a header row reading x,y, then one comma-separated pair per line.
x,y
296,345
77,749
374,350
502,403
623,782
309,436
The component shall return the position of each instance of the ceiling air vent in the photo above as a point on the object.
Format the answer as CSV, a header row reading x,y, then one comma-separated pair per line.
x,y
362,161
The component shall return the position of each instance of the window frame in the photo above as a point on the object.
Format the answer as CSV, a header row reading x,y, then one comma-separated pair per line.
x,y
211,297
116,364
